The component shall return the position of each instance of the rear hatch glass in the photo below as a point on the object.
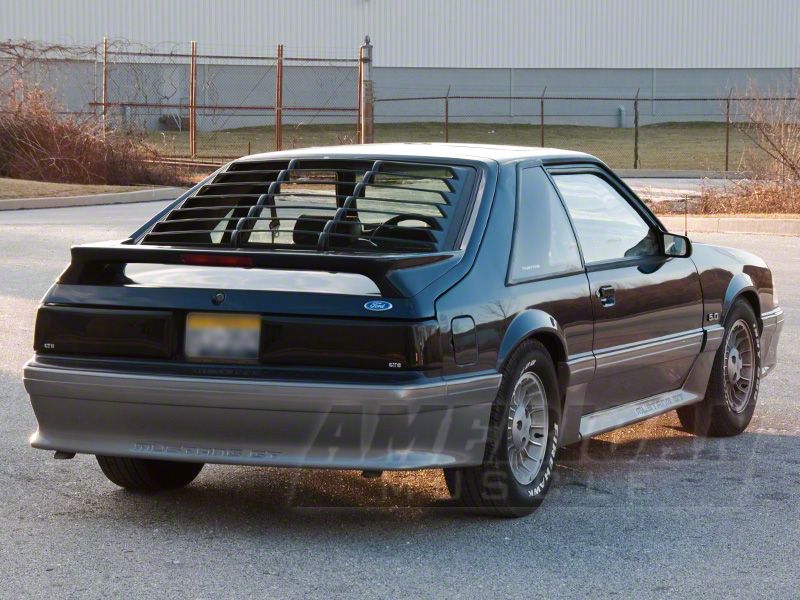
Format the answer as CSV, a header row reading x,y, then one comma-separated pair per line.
x,y
351,206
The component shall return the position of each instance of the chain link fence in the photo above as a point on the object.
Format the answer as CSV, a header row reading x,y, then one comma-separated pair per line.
x,y
698,134
219,106
320,101
67,73
191,104
201,106
235,105
145,90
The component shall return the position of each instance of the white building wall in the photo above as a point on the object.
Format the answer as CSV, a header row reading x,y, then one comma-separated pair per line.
x,y
562,34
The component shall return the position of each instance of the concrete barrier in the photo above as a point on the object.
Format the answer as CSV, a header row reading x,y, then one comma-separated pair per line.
x,y
677,174
768,225
697,224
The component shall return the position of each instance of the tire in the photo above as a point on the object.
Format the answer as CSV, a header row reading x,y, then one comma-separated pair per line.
x,y
497,486
148,475
724,412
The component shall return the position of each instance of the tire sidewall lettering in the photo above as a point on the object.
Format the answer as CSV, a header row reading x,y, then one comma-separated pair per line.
x,y
546,474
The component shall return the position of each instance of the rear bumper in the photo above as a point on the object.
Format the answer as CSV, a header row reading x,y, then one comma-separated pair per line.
x,y
772,326
261,422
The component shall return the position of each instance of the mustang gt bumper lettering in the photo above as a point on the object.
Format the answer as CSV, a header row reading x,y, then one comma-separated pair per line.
x,y
261,422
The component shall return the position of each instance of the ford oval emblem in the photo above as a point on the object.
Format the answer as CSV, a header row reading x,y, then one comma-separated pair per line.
x,y
378,305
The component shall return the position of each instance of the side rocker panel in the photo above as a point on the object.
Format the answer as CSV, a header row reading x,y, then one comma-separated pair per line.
x,y
693,390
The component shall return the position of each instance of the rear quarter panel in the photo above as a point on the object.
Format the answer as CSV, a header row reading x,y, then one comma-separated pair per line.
x,y
505,314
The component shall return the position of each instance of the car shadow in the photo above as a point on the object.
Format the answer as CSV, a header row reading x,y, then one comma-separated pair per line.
x,y
654,464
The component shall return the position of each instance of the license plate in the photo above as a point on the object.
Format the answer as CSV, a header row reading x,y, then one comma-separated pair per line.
x,y
227,337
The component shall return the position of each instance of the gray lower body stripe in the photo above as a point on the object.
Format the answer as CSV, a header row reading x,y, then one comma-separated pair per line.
x,y
619,416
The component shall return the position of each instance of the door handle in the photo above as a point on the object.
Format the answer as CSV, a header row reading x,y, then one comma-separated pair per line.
x,y
607,296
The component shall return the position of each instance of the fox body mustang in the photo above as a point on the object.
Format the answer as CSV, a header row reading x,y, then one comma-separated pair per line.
x,y
404,306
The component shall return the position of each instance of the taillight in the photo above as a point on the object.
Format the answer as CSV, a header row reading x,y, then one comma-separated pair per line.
x,y
217,260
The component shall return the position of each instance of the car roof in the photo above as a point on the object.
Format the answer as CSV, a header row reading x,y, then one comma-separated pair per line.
x,y
482,152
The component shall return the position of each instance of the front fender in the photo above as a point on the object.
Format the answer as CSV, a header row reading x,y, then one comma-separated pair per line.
x,y
738,285
527,324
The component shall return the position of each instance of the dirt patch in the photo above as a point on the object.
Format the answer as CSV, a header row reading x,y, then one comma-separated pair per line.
x,y
23,188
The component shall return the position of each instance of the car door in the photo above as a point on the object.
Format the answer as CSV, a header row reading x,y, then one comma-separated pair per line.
x,y
647,306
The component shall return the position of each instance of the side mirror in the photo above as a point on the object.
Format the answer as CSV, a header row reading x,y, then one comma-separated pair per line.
x,y
676,245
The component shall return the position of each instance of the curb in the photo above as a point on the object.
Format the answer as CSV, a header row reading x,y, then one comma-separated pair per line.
x,y
674,223
732,225
151,195
668,174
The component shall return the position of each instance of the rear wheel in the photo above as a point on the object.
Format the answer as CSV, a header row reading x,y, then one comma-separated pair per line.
x,y
148,475
522,441
732,391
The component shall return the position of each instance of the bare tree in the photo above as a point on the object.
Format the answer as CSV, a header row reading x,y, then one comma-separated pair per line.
x,y
772,123
27,61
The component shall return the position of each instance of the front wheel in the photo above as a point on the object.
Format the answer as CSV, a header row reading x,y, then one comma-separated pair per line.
x,y
522,440
732,392
145,475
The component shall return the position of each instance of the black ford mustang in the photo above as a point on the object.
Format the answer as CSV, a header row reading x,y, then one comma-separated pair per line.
x,y
408,306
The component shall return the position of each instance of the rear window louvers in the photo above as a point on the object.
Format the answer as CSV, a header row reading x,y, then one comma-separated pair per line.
x,y
341,205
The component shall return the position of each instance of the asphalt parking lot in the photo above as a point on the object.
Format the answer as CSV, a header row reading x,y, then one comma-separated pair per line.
x,y
647,511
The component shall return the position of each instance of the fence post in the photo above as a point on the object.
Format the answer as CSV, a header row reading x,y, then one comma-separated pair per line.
x,y
686,216
728,129
104,93
541,117
446,119
359,100
193,101
279,99
636,162
367,95
447,115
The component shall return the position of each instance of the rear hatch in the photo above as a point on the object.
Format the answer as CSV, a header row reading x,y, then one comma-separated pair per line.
x,y
327,257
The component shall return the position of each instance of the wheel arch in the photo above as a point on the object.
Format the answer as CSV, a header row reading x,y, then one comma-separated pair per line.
x,y
535,324
742,287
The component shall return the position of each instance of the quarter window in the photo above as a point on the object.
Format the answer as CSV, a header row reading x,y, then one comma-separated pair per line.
x,y
608,227
543,240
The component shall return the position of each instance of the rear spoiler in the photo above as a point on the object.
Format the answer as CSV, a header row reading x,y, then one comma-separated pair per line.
x,y
395,275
